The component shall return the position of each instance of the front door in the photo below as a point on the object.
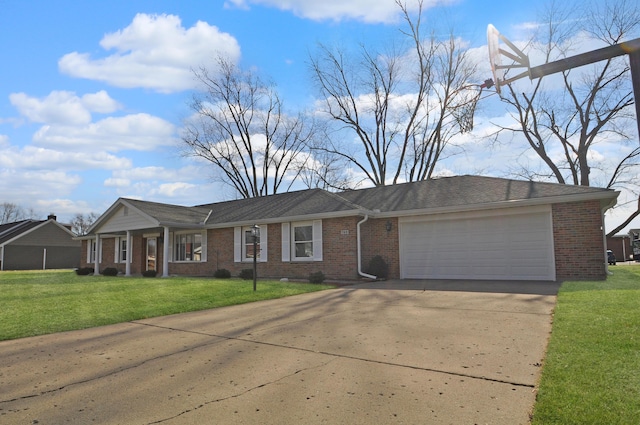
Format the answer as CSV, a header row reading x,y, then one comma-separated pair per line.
x,y
151,253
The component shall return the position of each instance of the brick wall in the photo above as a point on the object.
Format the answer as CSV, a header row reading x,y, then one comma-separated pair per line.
x,y
577,238
338,253
377,240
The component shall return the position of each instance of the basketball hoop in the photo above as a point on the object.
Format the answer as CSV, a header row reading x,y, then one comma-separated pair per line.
x,y
463,114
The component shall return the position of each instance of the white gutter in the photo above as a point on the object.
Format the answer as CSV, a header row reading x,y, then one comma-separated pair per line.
x,y
360,272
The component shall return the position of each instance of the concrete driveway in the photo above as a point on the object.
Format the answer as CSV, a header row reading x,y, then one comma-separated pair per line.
x,y
404,352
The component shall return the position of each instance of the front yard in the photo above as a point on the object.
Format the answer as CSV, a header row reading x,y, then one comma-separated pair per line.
x,y
591,374
42,302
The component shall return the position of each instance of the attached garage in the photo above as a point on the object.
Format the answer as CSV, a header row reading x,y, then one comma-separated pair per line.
x,y
503,244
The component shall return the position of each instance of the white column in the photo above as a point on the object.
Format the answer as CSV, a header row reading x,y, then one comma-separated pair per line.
x,y
96,262
165,253
127,267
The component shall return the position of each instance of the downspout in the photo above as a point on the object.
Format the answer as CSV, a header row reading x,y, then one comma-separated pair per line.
x,y
360,272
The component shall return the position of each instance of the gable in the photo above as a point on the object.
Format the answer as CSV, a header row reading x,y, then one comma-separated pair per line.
x,y
125,218
48,233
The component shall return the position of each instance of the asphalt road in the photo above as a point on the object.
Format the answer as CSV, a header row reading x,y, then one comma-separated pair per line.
x,y
403,352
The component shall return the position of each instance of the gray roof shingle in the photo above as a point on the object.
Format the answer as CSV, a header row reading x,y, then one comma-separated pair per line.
x,y
448,192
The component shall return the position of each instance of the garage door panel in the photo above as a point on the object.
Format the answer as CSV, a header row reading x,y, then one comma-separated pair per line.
x,y
506,246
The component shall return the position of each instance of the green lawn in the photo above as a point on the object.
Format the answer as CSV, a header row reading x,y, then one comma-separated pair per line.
x,y
591,373
42,302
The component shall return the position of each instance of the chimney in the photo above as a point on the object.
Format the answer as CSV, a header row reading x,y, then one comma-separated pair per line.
x,y
52,216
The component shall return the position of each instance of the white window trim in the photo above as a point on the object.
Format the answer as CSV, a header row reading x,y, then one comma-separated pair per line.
x,y
288,243
203,246
117,250
90,243
239,250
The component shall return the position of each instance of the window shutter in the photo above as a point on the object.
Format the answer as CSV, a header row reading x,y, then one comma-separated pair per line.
x,y
263,243
116,254
171,236
89,243
237,244
317,240
203,257
286,242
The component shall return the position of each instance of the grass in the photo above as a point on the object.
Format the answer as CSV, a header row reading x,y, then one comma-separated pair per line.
x,y
41,302
591,373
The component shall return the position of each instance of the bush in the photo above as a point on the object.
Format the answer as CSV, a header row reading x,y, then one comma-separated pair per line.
x,y
110,271
378,267
246,274
149,273
222,274
317,277
84,271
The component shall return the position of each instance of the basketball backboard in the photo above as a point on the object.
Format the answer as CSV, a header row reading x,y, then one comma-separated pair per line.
x,y
499,71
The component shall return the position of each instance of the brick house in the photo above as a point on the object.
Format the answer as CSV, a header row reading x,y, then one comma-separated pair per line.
x,y
38,244
464,227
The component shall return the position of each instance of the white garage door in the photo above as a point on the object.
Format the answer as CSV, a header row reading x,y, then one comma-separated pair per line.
x,y
509,244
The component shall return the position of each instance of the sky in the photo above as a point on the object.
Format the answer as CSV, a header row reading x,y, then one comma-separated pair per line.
x,y
93,93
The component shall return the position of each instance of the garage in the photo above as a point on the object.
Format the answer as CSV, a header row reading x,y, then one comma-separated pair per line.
x,y
504,244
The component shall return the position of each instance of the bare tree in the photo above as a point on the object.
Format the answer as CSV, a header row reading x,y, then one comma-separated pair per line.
x,y
10,212
593,105
399,107
81,223
240,127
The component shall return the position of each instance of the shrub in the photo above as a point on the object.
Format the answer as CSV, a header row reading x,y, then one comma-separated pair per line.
x,y
246,274
378,267
110,271
222,274
84,271
149,273
317,277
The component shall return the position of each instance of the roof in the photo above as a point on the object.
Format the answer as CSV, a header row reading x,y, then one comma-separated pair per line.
x,y
9,231
459,193
468,192
292,204
15,230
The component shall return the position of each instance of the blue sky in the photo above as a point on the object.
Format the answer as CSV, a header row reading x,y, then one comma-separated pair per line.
x,y
93,93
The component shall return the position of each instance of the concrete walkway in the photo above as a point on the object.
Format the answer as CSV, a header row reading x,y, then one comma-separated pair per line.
x,y
386,353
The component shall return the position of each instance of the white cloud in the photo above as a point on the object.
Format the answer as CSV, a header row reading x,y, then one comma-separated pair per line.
x,y
141,132
154,52
379,11
35,158
63,107
172,189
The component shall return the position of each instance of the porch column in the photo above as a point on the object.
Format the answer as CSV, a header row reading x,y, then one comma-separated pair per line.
x,y
96,260
127,267
165,253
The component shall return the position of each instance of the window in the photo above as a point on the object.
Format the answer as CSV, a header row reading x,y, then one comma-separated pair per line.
x,y
123,250
243,244
248,244
187,247
91,251
302,241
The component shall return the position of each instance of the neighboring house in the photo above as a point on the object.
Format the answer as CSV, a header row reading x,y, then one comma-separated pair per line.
x,y
620,245
634,234
464,227
37,245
